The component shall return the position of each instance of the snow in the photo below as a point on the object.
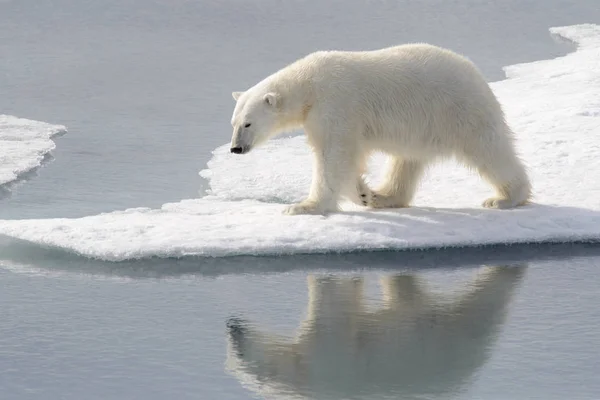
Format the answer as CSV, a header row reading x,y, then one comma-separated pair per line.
x,y
24,144
553,106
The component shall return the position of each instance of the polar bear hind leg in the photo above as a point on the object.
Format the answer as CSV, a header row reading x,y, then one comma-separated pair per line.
x,y
500,166
401,182
398,189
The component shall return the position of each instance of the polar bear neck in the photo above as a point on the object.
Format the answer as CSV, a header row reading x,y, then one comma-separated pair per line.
x,y
294,86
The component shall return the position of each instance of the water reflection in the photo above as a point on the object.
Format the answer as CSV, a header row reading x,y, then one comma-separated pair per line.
x,y
414,344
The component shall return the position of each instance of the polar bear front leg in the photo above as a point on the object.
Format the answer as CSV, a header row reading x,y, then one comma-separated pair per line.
x,y
330,166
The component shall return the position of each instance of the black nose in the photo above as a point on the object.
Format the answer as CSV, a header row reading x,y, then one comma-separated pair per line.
x,y
236,326
237,150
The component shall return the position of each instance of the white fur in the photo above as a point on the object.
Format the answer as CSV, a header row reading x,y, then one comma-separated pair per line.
x,y
418,103
414,344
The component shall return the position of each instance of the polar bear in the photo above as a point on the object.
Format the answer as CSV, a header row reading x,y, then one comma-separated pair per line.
x,y
415,343
418,103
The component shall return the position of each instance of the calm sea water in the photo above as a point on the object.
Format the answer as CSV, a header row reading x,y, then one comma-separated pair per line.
x,y
500,323
144,88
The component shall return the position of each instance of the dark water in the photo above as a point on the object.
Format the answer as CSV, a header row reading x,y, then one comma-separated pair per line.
x,y
144,88
519,323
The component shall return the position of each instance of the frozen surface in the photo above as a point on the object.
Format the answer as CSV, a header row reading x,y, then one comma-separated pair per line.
x,y
553,105
24,144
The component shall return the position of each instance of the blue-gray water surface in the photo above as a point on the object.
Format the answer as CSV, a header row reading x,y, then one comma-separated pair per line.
x,y
519,322
144,87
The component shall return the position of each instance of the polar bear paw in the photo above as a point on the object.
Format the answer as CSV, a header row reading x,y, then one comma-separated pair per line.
x,y
383,201
498,203
366,198
373,199
304,208
365,194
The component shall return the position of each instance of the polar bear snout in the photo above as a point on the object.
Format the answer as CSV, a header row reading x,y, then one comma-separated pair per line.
x,y
241,141
236,326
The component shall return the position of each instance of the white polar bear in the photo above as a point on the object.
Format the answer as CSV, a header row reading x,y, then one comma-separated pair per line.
x,y
417,102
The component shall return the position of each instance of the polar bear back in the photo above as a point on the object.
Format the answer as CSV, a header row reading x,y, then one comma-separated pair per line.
x,y
419,97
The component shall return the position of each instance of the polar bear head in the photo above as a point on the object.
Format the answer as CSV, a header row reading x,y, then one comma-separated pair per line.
x,y
257,117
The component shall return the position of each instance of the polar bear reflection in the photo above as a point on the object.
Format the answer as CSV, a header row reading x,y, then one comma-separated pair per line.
x,y
415,345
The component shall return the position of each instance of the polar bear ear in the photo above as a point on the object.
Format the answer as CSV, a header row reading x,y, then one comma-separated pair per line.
x,y
271,99
236,95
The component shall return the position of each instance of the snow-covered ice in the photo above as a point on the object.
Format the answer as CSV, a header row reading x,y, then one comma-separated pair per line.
x,y
24,144
553,106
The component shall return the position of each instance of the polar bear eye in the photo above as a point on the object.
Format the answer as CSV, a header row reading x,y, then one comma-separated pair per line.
x,y
247,125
